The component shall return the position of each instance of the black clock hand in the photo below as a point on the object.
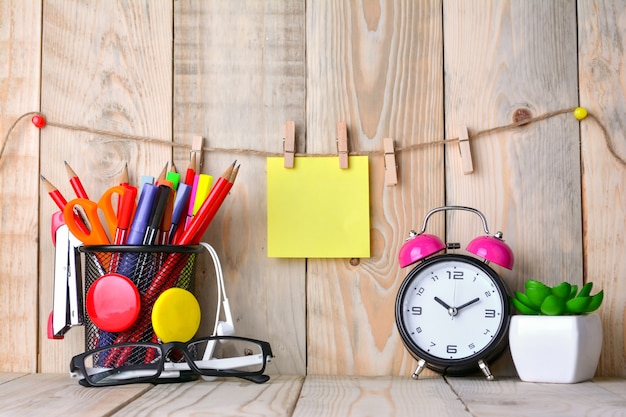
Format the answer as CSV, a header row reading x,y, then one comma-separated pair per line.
x,y
443,303
469,303
451,310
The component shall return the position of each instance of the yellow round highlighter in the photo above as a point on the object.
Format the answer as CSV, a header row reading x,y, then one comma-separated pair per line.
x,y
176,316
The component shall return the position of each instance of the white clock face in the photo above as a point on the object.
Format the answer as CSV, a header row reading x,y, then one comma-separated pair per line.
x,y
452,309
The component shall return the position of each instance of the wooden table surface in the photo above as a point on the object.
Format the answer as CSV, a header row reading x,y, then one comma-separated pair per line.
x,y
59,395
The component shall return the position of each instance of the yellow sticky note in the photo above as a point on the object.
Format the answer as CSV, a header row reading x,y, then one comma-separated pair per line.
x,y
317,210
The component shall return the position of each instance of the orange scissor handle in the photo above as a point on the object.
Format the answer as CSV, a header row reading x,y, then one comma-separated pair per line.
x,y
106,205
97,235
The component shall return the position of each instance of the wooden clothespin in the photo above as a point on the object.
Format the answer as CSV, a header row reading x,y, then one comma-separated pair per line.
x,y
196,148
342,144
391,176
289,142
465,151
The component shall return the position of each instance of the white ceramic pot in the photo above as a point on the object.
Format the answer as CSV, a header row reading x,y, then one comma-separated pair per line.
x,y
560,349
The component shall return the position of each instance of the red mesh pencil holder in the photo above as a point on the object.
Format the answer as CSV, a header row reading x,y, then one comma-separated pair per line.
x,y
114,273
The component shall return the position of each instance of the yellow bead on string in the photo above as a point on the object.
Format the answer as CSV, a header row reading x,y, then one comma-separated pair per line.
x,y
580,113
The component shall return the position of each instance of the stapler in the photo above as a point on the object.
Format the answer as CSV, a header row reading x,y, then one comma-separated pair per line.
x,y
67,310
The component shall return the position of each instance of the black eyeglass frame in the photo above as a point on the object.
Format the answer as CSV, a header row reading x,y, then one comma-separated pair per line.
x,y
77,364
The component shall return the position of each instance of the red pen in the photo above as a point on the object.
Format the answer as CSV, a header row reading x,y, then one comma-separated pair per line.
x,y
61,202
126,208
75,182
191,170
125,213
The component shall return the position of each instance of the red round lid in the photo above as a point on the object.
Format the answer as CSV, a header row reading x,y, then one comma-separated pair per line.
x,y
113,302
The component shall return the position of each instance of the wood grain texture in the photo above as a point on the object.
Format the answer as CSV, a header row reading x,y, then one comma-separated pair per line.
x,y
56,394
375,66
503,58
527,180
602,29
381,396
516,399
239,75
219,398
106,65
20,43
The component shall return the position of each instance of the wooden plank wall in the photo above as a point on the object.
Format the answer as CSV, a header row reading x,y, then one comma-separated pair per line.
x,y
234,72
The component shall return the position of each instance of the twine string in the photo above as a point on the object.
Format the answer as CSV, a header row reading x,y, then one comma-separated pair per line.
x,y
407,148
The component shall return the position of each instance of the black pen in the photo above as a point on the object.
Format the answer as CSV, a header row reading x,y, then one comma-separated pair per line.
x,y
152,231
143,268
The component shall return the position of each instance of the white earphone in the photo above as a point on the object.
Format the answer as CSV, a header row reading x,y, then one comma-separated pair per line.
x,y
221,328
225,328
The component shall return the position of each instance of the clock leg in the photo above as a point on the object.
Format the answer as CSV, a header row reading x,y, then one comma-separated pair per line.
x,y
421,364
483,367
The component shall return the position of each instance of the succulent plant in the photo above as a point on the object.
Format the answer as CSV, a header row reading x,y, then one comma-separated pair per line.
x,y
563,299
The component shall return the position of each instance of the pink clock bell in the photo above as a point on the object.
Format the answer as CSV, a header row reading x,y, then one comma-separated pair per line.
x,y
490,247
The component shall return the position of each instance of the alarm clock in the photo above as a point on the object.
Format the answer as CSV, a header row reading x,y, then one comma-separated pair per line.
x,y
452,310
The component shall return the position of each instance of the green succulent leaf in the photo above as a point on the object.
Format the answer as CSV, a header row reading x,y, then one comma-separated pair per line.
x,y
523,308
523,298
536,294
553,305
562,299
577,305
596,300
585,291
562,290
532,283
573,292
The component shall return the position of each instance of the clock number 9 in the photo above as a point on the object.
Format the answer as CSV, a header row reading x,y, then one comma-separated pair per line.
x,y
416,311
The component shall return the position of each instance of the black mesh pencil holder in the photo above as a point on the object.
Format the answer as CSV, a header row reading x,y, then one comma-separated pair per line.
x,y
150,269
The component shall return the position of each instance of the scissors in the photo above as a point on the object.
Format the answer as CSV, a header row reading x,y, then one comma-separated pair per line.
x,y
97,234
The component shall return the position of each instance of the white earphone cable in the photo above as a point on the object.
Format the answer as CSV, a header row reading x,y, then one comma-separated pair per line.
x,y
221,288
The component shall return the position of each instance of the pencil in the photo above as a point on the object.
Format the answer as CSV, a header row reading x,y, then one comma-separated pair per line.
x,y
61,202
209,207
163,173
206,220
75,182
124,179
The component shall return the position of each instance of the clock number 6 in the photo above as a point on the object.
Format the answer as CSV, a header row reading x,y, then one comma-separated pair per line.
x,y
451,349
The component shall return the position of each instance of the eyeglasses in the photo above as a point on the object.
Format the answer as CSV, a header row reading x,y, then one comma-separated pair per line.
x,y
215,356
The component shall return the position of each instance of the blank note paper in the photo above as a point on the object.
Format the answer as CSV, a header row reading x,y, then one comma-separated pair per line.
x,y
318,210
